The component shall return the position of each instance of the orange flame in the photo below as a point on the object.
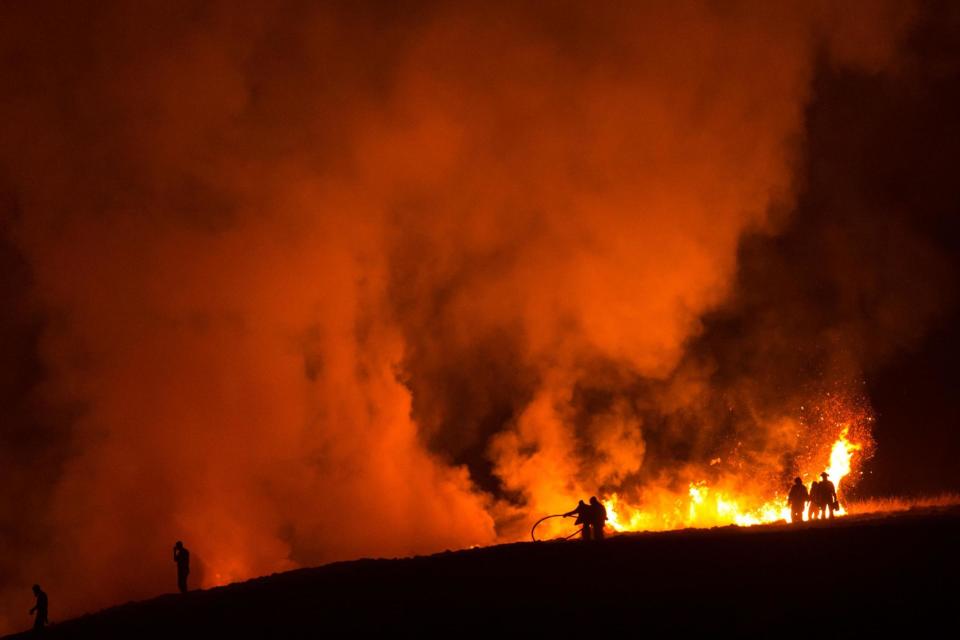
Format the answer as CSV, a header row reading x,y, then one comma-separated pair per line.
x,y
841,455
705,506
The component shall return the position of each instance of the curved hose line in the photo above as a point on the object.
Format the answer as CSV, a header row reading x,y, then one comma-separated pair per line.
x,y
533,529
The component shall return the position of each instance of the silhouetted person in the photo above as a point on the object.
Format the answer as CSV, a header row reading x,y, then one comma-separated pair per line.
x,y
598,517
828,495
584,515
182,557
814,510
40,609
797,499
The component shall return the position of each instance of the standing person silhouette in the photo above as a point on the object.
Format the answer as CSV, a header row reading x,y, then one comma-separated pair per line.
x,y
584,517
797,498
182,557
599,519
828,496
40,609
814,511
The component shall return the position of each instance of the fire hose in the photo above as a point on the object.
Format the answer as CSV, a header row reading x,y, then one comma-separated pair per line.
x,y
533,529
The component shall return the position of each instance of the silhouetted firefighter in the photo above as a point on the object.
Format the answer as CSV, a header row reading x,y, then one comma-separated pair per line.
x,y
828,496
182,557
40,609
814,511
584,515
598,517
797,498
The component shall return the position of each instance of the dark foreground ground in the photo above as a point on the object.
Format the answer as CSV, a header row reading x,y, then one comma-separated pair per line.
x,y
852,577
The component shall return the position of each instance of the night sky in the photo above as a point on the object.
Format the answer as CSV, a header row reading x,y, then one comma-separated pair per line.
x,y
882,177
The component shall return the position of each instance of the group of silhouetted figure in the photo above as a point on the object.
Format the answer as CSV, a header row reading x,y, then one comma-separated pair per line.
x,y
181,556
820,501
592,517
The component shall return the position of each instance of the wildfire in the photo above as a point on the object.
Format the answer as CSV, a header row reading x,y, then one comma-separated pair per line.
x,y
703,505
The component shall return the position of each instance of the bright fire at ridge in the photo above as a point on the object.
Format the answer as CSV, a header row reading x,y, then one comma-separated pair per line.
x,y
831,432
707,506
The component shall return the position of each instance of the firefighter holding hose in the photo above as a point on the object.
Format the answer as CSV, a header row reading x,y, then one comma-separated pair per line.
x,y
584,515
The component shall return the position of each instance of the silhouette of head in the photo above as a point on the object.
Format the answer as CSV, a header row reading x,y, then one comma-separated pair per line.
x,y
36,589
594,500
824,475
179,545
797,481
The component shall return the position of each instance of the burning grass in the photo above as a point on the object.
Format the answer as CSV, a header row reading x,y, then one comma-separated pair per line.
x,y
842,431
902,503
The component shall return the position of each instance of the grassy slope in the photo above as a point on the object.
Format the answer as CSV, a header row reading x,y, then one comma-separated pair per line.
x,y
851,577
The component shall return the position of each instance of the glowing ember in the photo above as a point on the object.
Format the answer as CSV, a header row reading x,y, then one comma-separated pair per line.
x,y
704,505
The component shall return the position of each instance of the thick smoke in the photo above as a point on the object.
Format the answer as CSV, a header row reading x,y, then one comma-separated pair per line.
x,y
297,283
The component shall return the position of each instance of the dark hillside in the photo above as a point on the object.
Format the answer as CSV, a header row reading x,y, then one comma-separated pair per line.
x,y
848,578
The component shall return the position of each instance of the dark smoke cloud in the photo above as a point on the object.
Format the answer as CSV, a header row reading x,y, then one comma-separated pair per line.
x,y
297,283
